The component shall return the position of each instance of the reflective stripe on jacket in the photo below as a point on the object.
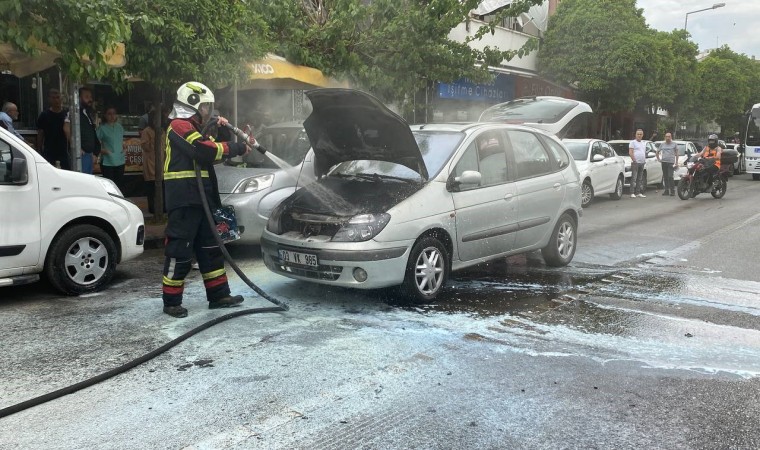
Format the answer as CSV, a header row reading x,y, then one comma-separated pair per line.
x,y
713,153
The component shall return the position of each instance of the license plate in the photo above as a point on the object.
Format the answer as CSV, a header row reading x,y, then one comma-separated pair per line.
x,y
303,259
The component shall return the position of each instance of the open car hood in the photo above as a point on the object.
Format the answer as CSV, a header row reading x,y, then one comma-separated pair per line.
x,y
350,125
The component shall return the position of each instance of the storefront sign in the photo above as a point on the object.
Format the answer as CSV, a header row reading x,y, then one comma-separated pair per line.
x,y
132,155
527,87
501,89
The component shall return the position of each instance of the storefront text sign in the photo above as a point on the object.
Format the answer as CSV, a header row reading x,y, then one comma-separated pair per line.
x,y
501,89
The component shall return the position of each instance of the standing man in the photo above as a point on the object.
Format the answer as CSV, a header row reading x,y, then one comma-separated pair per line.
x,y
87,134
8,115
667,154
637,150
188,232
52,140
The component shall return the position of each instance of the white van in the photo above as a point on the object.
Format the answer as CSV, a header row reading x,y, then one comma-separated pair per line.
x,y
563,117
73,227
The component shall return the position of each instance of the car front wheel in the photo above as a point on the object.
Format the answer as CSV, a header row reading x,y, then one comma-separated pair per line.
x,y
426,270
561,248
587,193
618,194
81,259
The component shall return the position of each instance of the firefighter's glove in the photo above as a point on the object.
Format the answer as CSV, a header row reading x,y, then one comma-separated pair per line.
x,y
238,149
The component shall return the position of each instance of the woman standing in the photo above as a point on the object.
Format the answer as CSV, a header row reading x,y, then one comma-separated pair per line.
x,y
150,174
111,135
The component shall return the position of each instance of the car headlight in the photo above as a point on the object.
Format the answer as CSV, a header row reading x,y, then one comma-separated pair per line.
x,y
254,184
273,224
362,228
110,187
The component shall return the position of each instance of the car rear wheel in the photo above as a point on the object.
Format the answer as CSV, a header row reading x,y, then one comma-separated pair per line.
x,y
561,248
81,259
618,194
426,271
587,193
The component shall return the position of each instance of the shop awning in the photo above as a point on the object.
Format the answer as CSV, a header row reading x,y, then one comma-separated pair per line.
x,y
275,72
22,64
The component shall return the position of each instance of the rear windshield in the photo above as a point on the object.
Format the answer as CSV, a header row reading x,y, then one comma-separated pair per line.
x,y
579,150
533,110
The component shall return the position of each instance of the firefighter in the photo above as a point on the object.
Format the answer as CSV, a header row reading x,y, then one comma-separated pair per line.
x,y
188,231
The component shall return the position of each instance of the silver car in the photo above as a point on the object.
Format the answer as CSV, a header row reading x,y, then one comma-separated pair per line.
x,y
254,185
396,205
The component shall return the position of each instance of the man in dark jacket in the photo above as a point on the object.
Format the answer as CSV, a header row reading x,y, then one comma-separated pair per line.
x,y
90,145
188,232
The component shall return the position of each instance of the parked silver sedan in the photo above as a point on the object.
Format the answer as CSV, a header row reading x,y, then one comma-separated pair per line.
x,y
395,206
254,185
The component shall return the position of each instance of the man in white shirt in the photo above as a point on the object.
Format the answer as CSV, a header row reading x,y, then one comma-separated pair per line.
x,y
637,150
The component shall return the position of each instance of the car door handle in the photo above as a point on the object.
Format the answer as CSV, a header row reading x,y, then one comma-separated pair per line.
x,y
557,186
509,197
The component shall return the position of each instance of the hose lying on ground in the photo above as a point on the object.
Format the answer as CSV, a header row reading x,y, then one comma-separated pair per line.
x,y
18,407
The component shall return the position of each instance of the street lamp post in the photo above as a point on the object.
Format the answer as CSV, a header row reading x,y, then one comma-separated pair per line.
x,y
715,6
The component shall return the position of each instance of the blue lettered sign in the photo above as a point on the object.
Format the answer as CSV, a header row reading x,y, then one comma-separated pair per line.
x,y
501,89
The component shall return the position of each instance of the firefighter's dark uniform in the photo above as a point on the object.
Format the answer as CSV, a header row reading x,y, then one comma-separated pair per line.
x,y
188,231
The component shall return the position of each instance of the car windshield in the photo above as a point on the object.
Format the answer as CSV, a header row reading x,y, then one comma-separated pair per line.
x,y
621,148
436,148
579,150
535,110
289,143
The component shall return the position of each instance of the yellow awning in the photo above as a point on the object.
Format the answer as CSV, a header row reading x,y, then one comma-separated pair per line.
x,y
22,64
275,72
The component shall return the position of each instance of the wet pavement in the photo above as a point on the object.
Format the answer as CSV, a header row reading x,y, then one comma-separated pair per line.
x,y
650,338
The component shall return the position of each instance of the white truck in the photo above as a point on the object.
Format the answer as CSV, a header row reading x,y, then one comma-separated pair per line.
x,y
73,227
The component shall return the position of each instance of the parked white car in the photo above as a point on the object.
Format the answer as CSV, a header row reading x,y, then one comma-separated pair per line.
x,y
73,227
395,206
652,167
602,170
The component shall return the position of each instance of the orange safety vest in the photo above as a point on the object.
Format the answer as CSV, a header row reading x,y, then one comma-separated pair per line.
x,y
713,153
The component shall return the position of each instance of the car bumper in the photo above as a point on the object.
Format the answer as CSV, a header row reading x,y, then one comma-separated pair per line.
x,y
385,264
752,164
132,237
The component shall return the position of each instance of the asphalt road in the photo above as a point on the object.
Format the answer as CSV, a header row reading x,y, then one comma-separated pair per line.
x,y
650,338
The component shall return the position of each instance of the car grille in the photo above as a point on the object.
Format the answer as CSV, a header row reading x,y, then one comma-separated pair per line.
x,y
321,272
309,224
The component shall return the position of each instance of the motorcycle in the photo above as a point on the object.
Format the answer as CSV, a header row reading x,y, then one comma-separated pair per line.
x,y
697,179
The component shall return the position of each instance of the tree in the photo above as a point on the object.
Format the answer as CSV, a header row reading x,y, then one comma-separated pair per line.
x,y
83,32
392,48
606,50
728,86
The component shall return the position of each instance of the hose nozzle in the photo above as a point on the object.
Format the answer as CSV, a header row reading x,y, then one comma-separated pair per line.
x,y
247,138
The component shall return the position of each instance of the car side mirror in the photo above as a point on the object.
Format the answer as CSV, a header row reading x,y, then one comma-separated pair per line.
x,y
19,174
471,177
650,155
597,158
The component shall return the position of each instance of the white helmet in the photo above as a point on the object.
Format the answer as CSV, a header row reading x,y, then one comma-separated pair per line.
x,y
192,98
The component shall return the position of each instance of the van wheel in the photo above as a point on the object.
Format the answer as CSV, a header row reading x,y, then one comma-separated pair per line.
x,y
618,194
81,259
587,193
426,271
561,248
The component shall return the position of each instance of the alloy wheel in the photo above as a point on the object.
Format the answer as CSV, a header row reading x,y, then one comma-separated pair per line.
x,y
565,239
429,270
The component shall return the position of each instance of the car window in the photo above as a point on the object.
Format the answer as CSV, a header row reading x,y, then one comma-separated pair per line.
x,y
608,151
559,153
486,155
596,149
579,150
530,156
7,153
621,148
437,147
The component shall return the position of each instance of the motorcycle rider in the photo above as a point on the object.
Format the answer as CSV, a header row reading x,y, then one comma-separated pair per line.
x,y
188,232
712,152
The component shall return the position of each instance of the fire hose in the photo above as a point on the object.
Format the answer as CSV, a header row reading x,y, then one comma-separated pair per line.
x,y
280,306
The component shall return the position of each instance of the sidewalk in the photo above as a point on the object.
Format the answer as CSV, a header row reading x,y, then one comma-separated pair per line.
x,y
154,234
